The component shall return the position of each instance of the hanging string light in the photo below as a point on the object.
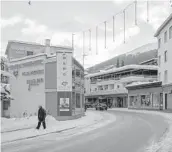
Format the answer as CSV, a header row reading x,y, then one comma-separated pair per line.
x,y
147,11
105,34
113,28
124,24
96,40
135,12
90,39
73,41
83,47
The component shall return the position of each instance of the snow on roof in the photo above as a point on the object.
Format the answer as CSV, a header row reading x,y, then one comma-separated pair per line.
x,y
28,57
33,43
127,67
148,60
144,48
141,83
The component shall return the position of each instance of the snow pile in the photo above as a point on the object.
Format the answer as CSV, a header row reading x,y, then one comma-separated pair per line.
x,y
52,124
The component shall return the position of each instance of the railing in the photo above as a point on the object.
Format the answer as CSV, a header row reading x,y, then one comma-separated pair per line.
x,y
106,92
118,78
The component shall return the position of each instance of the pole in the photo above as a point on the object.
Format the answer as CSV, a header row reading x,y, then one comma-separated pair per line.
x,y
135,12
147,11
124,25
83,47
105,33
113,28
96,39
73,41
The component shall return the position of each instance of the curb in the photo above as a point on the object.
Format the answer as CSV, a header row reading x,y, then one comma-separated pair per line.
x,y
59,131
39,135
16,130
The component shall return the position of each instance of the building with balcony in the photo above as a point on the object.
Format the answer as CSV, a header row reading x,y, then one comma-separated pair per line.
x,y
164,36
109,86
53,79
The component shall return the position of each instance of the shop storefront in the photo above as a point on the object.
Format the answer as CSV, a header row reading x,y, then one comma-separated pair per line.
x,y
145,96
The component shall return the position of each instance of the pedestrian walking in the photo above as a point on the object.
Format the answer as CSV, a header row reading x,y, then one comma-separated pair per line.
x,y
41,117
85,107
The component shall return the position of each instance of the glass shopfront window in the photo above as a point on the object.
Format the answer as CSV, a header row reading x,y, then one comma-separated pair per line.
x,y
145,101
133,101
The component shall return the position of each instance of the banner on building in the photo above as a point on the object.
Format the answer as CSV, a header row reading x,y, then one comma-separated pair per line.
x,y
64,71
64,104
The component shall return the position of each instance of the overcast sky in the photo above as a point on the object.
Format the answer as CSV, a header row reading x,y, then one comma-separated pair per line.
x,y
57,20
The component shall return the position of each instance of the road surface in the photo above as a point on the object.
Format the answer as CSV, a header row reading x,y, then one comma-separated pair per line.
x,y
131,132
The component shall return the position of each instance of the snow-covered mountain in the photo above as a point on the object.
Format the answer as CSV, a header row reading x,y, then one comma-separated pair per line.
x,y
135,56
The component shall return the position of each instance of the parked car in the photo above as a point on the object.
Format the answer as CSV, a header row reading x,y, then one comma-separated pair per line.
x,y
101,106
88,105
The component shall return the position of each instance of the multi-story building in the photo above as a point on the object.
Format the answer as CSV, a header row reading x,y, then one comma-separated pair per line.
x,y
164,36
109,86
49,76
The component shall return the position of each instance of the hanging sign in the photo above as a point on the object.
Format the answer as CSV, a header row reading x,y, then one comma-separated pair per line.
x,y
64,71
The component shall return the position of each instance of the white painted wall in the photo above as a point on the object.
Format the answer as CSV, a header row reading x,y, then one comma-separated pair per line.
x,y
25,100
165,46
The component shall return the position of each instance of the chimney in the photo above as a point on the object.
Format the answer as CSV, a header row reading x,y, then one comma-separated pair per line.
x,y
47,42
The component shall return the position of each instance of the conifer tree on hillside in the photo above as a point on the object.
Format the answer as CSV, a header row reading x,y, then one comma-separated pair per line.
x,y
122,63
117,63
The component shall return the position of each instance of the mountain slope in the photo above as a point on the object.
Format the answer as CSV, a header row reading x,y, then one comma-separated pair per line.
x,y
136,56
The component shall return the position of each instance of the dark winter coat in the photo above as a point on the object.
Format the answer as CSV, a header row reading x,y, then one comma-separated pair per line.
x,y
41,114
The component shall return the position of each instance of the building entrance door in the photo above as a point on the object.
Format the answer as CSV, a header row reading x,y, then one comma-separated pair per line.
x,y
166,101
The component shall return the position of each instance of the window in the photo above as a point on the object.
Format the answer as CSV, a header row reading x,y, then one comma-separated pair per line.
x,y
29,53
165,76
159,60
159,43
159,76
165,56
78,105
6,104
165,37
170,32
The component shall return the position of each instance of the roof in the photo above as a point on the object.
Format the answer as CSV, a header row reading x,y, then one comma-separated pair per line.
x,y
163,25
127,67
46,56
33,43
149,60
139,85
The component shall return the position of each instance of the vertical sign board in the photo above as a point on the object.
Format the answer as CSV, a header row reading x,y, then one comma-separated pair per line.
x,y
64,82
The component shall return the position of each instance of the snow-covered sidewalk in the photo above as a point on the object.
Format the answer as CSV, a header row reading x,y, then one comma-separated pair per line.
x,y
26,126
165,143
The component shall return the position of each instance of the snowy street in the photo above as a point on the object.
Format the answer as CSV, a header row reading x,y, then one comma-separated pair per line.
x,y
22,128
142,128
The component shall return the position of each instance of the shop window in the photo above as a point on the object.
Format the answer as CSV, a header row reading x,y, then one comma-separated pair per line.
x,y
145,100
6,104
78,104
29,53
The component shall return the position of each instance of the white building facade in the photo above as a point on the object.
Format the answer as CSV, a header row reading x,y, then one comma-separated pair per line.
x,y
49,76
164,36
